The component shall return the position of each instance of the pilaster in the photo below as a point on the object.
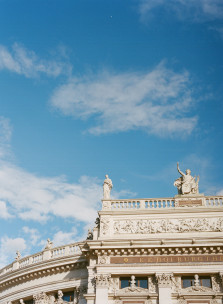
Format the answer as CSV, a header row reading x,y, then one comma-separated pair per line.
x,y
164,287
102,284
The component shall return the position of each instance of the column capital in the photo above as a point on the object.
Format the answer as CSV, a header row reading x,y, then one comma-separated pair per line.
x,y
102,280
164,279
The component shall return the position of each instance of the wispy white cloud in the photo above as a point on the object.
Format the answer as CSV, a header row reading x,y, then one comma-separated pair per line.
x,y
5,137
194,10
8,248
25,62
62,237
32,233
157,101
35,198
4,213
38,198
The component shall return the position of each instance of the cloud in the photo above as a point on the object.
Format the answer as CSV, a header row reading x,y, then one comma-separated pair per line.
x,y
5,136
194,10
62,237
157,101
25,62
33,234
4,211
38,198
8,248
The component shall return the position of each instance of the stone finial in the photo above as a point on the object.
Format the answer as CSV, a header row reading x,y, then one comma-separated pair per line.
x,y
107,186
49,244
133,281
186,184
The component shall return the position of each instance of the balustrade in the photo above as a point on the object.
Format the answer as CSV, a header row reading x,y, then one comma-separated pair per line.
x,y
155,203
72,249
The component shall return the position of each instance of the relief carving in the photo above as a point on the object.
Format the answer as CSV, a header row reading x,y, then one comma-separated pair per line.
x,y
143,226
216,283
41,298
104,225
152,284
176,284
114,285
103,259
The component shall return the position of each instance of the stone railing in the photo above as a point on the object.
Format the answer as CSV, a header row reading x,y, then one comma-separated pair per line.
x,y
47,254
162,203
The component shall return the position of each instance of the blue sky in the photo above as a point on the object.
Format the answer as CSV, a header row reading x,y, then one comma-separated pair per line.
x,y
88,88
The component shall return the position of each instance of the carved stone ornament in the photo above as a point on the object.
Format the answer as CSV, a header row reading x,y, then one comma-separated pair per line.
x,y
104,225
114,285
216,283
102,280
60,297
164,279
103,259
107,186
197,289
49,244
186,184
152,284
145,226
176,286
41,298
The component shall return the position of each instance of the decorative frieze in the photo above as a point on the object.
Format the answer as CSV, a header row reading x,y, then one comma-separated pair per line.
x,y
164,280
145,226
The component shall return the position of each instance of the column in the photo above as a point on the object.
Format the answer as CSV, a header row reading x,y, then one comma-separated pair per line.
x,y
164,286
102,282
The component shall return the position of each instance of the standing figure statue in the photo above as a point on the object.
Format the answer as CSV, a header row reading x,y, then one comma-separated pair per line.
x,y
107,186
186,184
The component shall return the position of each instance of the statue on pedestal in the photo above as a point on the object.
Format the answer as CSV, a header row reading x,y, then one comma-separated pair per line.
x,y
107,186
186,184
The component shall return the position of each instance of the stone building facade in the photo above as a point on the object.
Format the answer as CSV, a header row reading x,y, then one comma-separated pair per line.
x,y
141,251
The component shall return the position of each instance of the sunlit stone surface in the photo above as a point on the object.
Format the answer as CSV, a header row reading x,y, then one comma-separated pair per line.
x,y
144,251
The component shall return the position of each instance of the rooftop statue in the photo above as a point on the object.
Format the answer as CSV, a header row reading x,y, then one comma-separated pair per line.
x,y
107,186
186,184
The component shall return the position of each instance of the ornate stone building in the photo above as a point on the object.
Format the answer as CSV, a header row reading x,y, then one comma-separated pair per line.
x,y
144,251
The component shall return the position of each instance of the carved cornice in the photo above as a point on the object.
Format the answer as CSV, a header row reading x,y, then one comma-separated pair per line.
x,y
41,273
159,250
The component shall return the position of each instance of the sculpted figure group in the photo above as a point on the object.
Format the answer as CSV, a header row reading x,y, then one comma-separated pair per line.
x,y
186,184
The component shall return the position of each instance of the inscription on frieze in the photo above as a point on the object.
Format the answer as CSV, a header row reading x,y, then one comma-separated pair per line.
x,y
189,203
167,259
